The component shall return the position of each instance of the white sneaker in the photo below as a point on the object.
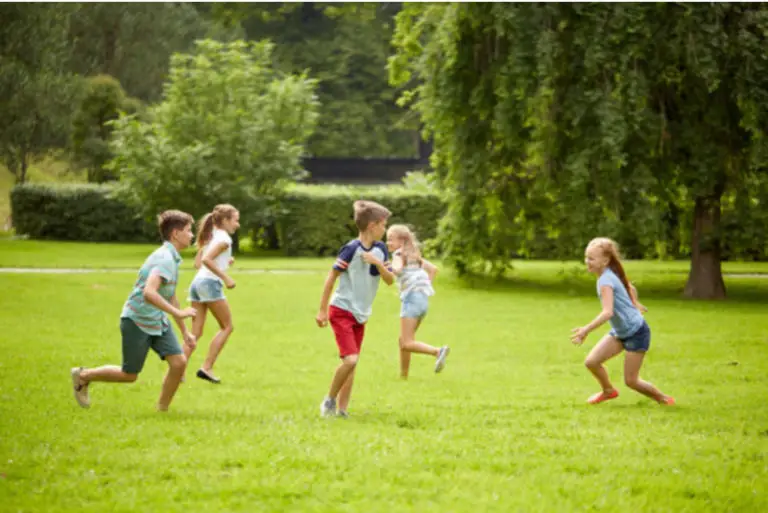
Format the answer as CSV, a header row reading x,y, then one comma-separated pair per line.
x,y
328,407
81,391
441,357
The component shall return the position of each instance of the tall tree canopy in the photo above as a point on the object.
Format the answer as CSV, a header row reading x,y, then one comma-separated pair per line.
x,y
566,121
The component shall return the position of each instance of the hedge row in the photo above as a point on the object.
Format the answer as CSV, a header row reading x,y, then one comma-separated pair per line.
x,y
312,220
317,220
77,212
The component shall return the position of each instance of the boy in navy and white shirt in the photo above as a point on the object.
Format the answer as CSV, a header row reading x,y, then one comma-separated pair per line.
x,y
360,265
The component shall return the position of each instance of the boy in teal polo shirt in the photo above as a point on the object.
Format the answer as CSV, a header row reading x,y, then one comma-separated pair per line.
x,y
143,321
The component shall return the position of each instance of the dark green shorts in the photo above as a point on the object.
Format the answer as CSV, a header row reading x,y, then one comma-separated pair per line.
x,y
136,344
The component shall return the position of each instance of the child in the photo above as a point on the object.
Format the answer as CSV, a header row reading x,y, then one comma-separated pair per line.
x,y
214,256
360,264
414,278
630,331
143,323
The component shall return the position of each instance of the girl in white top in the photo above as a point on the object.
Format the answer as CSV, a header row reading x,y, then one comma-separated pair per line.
x,y
414,278
214,256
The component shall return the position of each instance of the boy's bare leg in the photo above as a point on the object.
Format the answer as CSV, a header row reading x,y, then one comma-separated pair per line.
x,y
177,363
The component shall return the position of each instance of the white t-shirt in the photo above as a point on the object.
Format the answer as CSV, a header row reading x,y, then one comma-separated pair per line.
x,y
222,261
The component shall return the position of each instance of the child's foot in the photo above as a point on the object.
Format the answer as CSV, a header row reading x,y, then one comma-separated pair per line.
x,y
668,400
207,376
603,396
79,387
328,407
342,414
441,357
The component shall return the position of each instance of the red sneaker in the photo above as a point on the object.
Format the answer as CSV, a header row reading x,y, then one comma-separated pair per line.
x,y
602,396
668,400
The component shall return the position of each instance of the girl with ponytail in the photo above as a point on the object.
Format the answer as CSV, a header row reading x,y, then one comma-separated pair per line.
x,y
214,256
414,278
629,331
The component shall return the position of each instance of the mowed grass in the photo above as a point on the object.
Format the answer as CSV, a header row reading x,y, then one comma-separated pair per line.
x,y
504,428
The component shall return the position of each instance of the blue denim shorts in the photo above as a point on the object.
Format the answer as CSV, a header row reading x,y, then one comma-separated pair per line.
x,y
205,290
638,342
415,305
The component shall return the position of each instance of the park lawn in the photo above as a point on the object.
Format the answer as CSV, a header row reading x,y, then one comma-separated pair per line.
x,y
503,428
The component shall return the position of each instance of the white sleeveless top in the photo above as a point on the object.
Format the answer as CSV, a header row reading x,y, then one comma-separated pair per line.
x,y
222,261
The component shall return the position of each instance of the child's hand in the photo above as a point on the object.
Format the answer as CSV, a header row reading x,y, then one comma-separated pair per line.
x,y
642,308
370,259
578,335
190,340
229,282
322,318
231,261
187,312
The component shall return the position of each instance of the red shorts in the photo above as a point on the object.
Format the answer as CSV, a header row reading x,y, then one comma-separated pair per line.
x,y
349,333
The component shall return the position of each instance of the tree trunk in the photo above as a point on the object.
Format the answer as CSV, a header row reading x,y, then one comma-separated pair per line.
x,y
705,280
23,160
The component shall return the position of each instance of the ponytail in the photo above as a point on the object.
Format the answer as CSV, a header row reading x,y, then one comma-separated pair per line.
x,y
204,230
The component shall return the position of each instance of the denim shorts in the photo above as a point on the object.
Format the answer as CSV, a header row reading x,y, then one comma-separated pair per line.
x,y
638,342
415,305
205,290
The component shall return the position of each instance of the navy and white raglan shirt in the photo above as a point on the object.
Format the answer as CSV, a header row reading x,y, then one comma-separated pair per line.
x,y
359,280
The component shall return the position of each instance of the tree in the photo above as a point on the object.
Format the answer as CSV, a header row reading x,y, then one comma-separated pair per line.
x,y
564,121
133,42
101,103
36,90
230,129
345,47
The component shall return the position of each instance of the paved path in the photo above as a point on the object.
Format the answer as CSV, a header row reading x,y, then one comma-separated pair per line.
x,y
53,270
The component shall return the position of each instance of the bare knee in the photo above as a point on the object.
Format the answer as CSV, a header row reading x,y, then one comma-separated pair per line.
x,y
632,381
350,360
177,363
402,343
592,364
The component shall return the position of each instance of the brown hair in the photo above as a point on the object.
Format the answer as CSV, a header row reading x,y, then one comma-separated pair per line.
x,y
367,212
208,221
611,250
410,250
171,220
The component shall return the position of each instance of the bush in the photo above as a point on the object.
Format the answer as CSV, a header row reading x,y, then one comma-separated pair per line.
x,y
317,220
79,212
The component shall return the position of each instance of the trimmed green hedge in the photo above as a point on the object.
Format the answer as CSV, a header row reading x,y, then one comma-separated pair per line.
x,y
77,212
317,220
312,220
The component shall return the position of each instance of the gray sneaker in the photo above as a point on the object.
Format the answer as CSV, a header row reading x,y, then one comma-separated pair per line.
x,y
342,414
81,391
328,407
441,357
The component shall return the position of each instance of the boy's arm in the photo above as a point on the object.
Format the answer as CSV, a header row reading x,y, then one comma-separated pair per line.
x,y
153,297
430,268
322,314
209,261
189,338
384,271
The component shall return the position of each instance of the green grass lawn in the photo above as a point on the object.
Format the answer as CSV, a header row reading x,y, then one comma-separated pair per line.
x,y
504,428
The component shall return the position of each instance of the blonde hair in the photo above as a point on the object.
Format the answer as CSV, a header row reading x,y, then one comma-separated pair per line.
x,y
610,250
367,212
208,221
410,250
171,220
